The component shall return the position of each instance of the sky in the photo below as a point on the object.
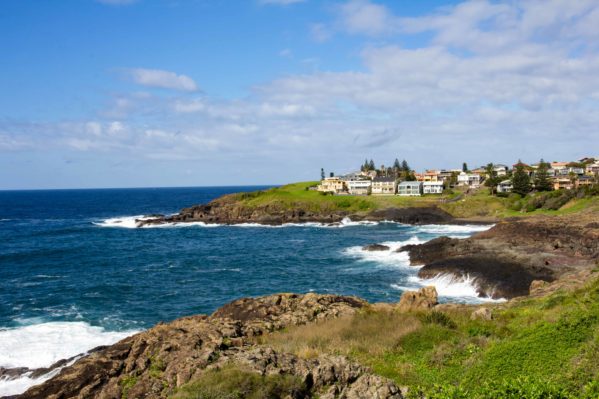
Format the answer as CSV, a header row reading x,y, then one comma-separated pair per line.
x,y
151,93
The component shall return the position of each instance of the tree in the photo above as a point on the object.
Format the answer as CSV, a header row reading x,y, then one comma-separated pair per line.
x,y
492,180
464,167
520,180
453,180
542,182
371,165
322,174
396,165
404,166
332,174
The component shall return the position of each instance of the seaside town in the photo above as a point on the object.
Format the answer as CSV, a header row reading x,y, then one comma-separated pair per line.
x,y
501,179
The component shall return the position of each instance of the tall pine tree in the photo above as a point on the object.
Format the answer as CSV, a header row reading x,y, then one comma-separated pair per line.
x,y
520,180
542,182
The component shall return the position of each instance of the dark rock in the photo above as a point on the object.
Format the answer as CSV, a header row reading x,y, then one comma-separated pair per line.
x,y
375,247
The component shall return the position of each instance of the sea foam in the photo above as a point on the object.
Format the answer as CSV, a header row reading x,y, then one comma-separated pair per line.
x,y
132,222
389,257
41,345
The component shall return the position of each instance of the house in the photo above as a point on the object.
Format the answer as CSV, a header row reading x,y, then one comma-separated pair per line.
x,y
409,188
592,169
383,185
585,181
431,175
358,186
501,170
468,179
432,187
505,186
333,185
563,183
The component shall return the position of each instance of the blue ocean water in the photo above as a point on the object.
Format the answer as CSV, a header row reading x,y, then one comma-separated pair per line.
x,y
68,256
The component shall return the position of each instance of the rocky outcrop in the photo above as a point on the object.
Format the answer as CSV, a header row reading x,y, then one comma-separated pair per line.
x,y
423,299
375,247
233,209
152,364
505,260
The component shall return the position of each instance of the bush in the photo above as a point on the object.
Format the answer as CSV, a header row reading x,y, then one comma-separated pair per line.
x,y
232,382
439,318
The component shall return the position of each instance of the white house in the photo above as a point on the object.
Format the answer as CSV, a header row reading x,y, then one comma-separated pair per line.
x,y
500,169
505,186
358,187
409,188
383,186
432,187
468,179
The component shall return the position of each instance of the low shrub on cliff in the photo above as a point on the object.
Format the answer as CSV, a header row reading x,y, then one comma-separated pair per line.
x,y
232,382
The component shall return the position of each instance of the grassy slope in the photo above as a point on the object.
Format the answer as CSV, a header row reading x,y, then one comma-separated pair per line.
x,y
477,205
550,342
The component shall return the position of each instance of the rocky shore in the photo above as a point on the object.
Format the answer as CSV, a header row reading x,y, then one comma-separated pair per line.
x,y
505,260
229,209
154,363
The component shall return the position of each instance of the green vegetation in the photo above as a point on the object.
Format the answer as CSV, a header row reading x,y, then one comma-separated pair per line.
x,y
232,382
127,383
299,196
535,348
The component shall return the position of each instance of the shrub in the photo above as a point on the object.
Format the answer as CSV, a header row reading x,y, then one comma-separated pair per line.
x,y
232,382
440,318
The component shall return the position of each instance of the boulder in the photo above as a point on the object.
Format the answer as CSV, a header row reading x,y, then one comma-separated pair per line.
x,y
375,247
537,286
482,314
423,299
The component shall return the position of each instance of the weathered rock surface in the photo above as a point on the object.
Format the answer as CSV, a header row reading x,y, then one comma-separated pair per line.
x,y
482,314
152,364
506,259
375,247
423,299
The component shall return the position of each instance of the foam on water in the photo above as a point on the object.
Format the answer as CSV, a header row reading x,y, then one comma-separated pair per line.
x,y
132,222
451,229
41,345
448,286
388,257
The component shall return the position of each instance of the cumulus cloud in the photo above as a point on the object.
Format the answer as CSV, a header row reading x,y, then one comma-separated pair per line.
x,y
492,82
162,79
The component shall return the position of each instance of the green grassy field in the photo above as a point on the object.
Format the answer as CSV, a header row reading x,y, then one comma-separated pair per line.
x,y
538,348
476,204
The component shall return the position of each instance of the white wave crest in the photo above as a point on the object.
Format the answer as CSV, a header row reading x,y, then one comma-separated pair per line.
x,y
462,289
41,345
132,222
389,257
449,229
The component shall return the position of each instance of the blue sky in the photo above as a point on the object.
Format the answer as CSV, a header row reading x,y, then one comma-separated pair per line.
x,y
125,93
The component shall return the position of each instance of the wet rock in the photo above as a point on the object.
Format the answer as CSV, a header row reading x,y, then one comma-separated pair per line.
x,y
375,247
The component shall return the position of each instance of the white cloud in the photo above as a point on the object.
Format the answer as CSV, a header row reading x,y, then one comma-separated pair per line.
x,y
162,79
365,17
495,82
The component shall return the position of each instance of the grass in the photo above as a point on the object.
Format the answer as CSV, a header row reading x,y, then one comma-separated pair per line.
x,y
550,342
233,382
476,204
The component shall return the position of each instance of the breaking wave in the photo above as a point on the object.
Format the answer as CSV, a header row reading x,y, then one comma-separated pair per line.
x,y
41,345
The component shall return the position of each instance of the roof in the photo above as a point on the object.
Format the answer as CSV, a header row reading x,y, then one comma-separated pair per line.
x,y
409,183
433,183
384,179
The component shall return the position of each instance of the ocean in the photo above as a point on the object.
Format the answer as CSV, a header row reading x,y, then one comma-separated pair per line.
x,y
76,273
